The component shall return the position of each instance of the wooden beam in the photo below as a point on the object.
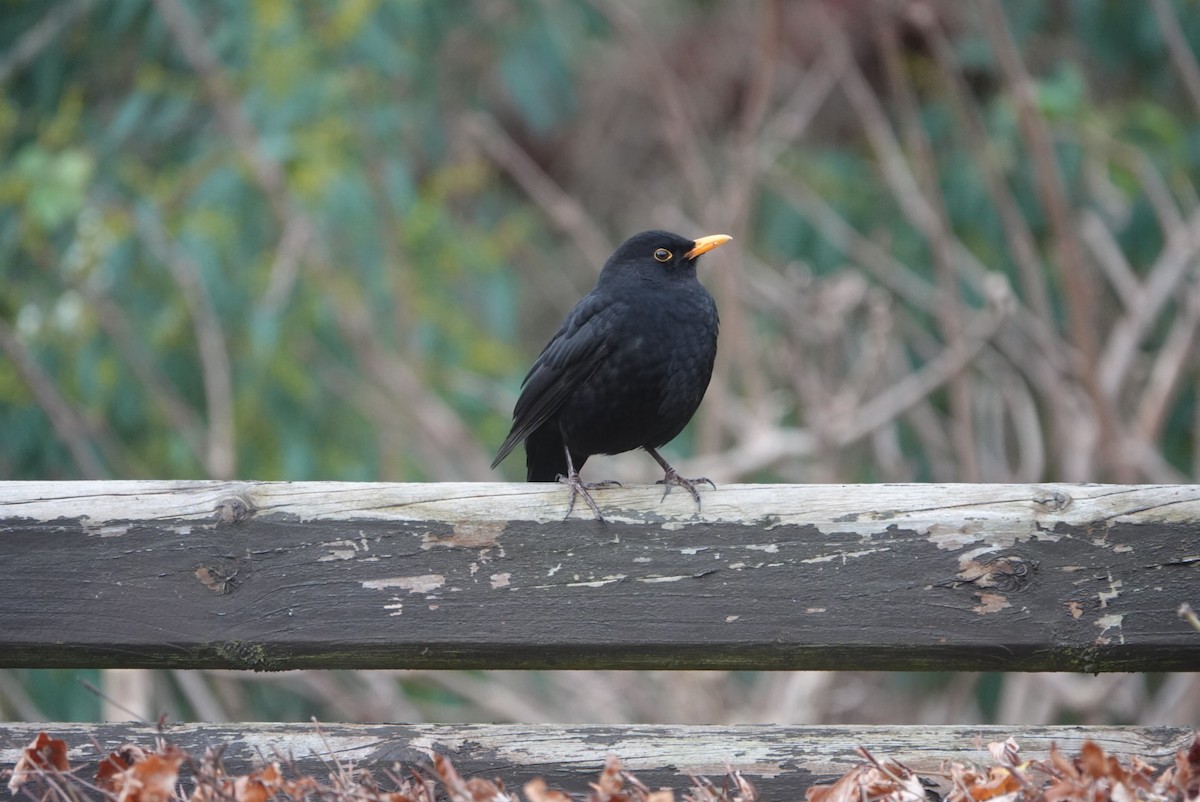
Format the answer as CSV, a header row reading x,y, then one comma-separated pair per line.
x,y
781,761
286,575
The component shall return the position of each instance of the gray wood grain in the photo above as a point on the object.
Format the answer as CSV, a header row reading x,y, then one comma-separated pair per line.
x,y
285,575
780,760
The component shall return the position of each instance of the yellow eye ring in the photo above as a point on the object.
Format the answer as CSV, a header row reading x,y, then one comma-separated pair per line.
x,y
662,255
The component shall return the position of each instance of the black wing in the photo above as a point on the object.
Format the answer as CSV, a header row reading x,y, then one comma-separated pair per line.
x,y
573,354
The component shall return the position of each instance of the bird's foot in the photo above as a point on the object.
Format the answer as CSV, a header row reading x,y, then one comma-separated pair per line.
x,y
579,487
672,479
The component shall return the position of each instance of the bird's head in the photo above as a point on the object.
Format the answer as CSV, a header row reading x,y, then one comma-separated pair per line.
x,y
657,256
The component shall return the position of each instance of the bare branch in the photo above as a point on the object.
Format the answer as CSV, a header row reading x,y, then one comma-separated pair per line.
x,y
1110,258
1167,373
914,387
939,236
1079,294
42,35
221,453
67,423
1018,236
179,413
1162,282
237,125
567,214
1181,54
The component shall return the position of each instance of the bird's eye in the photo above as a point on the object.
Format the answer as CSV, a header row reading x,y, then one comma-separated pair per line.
x,y
662,255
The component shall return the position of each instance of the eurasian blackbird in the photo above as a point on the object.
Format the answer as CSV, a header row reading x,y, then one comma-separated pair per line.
x,y
626,369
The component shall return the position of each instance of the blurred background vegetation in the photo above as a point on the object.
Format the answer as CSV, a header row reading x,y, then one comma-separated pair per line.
x,y
266,239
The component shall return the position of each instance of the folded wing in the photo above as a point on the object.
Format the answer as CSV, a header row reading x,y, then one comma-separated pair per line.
x,y
573,354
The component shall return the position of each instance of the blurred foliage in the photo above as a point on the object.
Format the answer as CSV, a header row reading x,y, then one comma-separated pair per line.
x,y
302,240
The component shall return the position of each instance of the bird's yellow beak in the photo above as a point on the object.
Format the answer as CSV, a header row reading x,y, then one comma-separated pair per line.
x,y
706,244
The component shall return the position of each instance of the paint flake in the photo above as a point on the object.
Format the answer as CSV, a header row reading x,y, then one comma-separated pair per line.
x,y
413,584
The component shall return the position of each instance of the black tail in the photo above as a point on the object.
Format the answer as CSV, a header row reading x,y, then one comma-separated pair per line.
x,y
545,459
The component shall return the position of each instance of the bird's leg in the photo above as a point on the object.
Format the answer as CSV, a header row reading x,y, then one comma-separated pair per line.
x,y
580,488
672,478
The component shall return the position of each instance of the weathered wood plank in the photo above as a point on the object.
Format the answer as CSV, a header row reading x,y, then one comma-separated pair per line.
x,y
284,575
780,760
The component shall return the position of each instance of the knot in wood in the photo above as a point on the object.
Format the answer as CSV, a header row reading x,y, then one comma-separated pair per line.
x,y
221,580
233,510
1005,572
1053,500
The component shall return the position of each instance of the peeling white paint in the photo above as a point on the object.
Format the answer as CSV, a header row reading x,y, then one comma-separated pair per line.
x,y
654,579
500,580
951,536
769,548
554,570
342,550
1114,590
413,584
848,555
105,530
597,583
729,619
1111,621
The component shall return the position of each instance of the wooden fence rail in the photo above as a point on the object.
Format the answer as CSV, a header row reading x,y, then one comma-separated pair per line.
x,y
781,761
286,575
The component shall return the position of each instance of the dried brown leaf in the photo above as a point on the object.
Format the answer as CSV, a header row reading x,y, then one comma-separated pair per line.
x,y
1182,781
44,754
258,786
110,774
610,785
1006,752
882,782
537,791
153,778
472,790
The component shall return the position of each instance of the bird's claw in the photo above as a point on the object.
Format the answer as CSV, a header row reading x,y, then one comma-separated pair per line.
x,y
672,479
578,487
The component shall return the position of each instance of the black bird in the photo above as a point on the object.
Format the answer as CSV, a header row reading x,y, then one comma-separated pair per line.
x,y
626,369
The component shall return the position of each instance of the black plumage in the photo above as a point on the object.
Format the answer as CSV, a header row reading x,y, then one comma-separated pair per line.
x,y
626,369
